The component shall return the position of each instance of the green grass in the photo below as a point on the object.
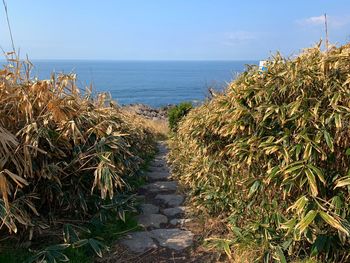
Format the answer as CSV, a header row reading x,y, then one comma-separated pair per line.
x,y
111,231
108,233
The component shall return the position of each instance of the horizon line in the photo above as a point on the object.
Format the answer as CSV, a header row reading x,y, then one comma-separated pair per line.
x,y
135,60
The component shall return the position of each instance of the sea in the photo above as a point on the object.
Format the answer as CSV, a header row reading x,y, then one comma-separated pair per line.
x,y
154,83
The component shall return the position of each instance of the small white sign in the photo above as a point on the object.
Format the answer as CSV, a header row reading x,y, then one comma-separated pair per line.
x,y
263,65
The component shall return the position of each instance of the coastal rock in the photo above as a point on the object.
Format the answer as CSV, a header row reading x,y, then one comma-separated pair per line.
x,y
148,112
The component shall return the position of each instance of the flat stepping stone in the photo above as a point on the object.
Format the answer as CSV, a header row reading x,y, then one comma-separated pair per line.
x,y
152,220
174,211
175,238
140,198
149,209
158,175
138,242
162,150
159,169
170,200
161,186
180,221
157,164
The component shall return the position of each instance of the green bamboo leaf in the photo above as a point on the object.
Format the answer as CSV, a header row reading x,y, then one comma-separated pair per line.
x,y
299,204
227,249
343,182
307,151
253,188
318,172
272,173
333,222
280,255
312,181
306,220
329,140
297,151
97,246
337,120
293,168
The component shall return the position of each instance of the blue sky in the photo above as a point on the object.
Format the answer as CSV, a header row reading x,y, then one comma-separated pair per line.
x,y
170,30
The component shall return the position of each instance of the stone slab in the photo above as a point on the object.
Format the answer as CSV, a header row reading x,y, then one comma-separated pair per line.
x,y
170,200
138,242
158,175
173,211
180,221
151,220
175,238
149,209
161,186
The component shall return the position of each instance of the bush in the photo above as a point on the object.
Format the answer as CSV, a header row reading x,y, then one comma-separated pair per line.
x,y
272,153
63,155
176,113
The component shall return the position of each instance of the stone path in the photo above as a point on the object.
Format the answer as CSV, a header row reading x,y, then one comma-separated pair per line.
x,y
162,215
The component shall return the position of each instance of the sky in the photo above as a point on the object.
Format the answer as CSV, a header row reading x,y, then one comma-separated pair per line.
x,y
170,29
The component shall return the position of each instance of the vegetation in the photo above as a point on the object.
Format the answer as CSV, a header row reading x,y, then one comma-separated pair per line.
x,y
176,113
67,161
272,155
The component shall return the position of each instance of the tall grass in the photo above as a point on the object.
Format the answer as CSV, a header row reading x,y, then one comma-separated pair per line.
x,y
63,154
272,154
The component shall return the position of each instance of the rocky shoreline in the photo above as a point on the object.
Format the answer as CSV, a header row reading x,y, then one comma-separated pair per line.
x,y
148,112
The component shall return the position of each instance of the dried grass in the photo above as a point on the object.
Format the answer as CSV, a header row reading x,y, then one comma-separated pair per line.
x,y
62,153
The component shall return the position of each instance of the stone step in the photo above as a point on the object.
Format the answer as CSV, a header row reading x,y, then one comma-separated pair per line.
x,y
180,221
173,238
151,220
154,218
174,211
138,242
158,175
162,186
149,209
170,200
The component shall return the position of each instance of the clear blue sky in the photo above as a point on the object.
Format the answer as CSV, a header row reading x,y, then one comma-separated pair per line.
x,y
170,30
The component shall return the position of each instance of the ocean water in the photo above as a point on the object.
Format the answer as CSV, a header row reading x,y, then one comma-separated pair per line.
x,y
155,83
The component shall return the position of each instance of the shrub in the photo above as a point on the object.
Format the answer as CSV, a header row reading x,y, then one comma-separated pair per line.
x,y
175,114
273,154
62,154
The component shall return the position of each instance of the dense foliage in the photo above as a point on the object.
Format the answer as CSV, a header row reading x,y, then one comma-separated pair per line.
x,y
176,113
62,154
272,153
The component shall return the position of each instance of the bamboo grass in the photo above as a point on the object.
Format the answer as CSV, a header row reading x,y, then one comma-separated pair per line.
x,y
62,153
272,154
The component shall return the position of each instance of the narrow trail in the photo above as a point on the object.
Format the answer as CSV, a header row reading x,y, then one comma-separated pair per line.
x,y
162,217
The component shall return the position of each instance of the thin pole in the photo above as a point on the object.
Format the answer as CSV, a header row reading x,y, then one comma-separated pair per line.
x,y
9,26
326,28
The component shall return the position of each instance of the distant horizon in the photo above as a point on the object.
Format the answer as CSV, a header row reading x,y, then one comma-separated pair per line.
x,y
136,60
151,83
